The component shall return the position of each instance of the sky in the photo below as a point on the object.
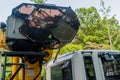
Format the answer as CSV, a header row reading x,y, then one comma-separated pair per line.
x,y
6,6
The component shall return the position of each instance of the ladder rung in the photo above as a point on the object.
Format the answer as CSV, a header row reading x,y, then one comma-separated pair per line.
x,y
8,71
9,64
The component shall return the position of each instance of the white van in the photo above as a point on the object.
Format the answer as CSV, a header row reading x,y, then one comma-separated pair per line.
x,y
85,65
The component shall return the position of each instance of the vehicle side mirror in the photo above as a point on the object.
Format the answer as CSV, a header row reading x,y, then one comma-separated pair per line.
x,y
109,57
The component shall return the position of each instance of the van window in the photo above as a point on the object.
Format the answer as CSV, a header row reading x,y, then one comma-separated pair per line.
x,y
89,67
111,68
56,73
67,71
62,71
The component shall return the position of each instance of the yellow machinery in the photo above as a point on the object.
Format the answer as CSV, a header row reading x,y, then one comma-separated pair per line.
x,y
31,34
2,39
31,70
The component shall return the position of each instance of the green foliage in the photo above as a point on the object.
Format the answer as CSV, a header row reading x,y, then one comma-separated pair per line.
x,y
90,26
71,47
95,32
38,1
91,45
43,74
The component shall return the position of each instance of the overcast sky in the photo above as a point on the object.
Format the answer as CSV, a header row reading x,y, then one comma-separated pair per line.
x,y
6,6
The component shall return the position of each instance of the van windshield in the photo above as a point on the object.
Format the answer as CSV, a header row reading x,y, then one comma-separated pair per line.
x,y
111,68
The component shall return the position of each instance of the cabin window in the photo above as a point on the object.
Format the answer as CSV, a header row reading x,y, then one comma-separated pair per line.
x,y
62,71
89,68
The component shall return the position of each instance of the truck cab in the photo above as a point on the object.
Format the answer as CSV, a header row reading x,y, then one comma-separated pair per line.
x,y
85,65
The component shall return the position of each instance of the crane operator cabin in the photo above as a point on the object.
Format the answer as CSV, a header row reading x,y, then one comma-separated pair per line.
x,y
32,27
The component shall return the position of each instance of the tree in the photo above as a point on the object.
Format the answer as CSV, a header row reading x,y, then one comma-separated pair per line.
x,y
38,1
112,32
71,47
90,28
95,32
112,26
